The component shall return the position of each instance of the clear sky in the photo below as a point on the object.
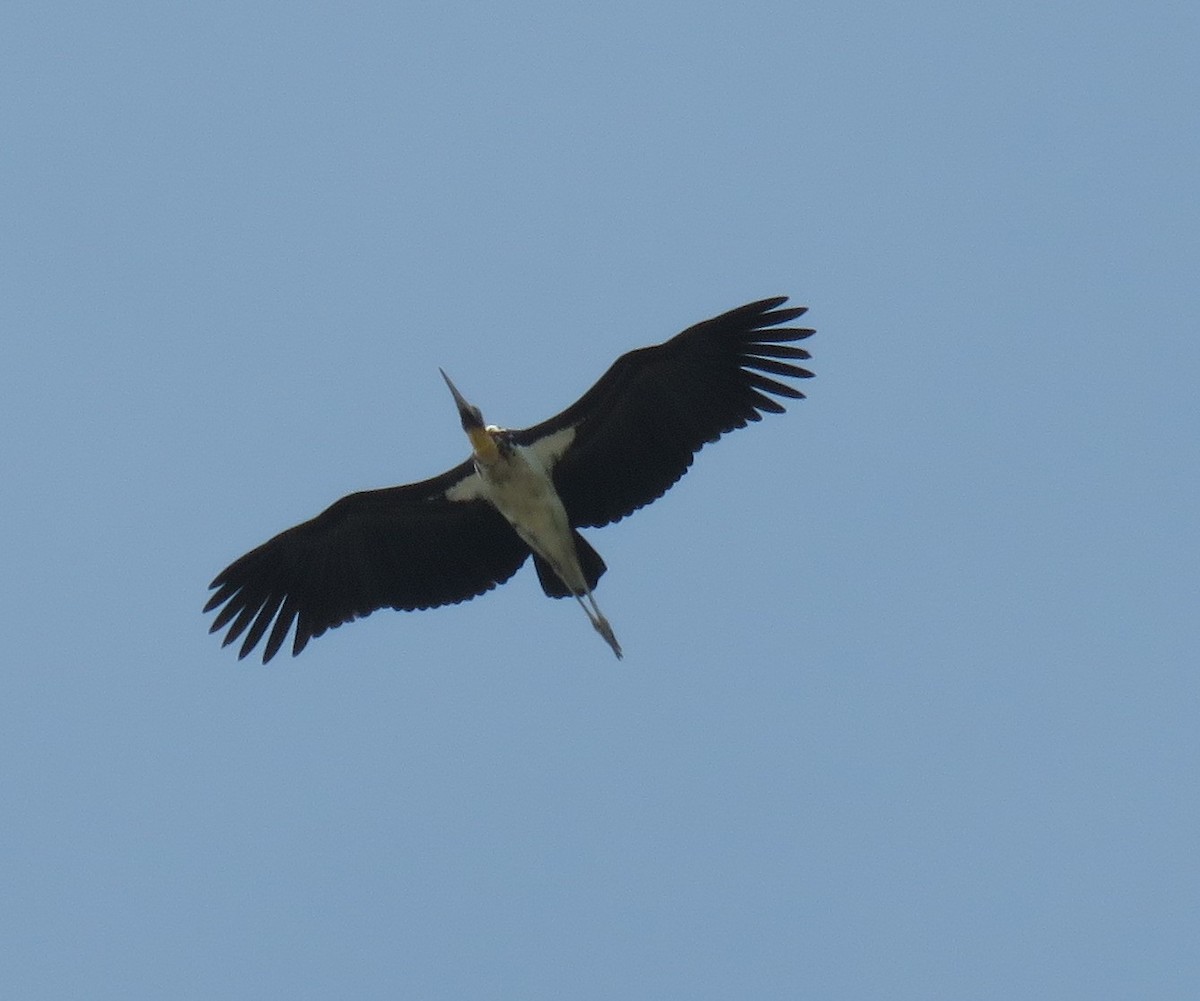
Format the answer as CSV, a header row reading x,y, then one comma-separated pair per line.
x,y
909,702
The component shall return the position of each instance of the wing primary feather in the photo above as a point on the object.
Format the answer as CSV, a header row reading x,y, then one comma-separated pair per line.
x,y
283,622
244,616
779,351
778,316
772,386
226,613
763,402
780,334
265,614
780,368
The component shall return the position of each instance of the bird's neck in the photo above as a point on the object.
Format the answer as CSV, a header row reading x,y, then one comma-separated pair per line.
x,y
483,444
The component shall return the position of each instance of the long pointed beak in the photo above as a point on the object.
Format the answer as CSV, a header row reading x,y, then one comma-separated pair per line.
x,y
469,414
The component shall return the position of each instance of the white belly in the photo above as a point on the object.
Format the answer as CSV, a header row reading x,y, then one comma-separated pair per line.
x,y
522,491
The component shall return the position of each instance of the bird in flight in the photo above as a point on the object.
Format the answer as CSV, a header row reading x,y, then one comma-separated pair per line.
x,y
521,493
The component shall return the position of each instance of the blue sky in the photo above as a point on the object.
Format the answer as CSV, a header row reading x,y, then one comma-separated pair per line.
x,y
909,701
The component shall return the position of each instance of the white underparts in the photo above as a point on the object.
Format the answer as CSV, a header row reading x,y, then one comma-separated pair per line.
x,y
519,486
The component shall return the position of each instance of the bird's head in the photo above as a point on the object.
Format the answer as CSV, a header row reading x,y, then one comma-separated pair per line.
x,y
482,443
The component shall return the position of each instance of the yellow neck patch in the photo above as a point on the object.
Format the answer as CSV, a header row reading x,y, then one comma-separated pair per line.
x,y
484,445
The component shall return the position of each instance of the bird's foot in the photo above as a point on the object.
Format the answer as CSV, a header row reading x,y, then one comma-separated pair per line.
x,y
605,630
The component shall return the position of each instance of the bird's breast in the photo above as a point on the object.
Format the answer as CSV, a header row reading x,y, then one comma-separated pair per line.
x,y
522,491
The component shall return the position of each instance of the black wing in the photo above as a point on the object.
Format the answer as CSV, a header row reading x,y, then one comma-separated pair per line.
x,y
405,547
637,429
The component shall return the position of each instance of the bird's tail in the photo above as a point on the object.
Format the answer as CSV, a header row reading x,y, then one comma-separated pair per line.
x,y
590,562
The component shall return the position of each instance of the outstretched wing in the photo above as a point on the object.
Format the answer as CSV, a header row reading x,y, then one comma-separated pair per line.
x,y
633,434
405,547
